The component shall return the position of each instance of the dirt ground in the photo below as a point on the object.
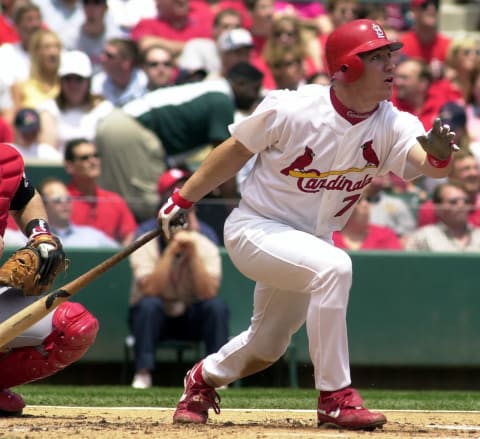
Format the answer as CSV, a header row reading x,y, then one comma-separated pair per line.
x,y
139,423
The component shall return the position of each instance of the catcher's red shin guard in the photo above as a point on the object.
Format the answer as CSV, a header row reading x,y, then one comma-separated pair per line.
x,y
74,331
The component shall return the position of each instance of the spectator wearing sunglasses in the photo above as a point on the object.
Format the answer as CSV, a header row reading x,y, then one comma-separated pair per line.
x,y
92,205
287,67
288,36
466,172
462,64
58,204
75,112
453,232
159,67
424,41
121,79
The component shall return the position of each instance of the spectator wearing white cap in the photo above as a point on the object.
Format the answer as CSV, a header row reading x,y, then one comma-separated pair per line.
x,y
202,53
75,112
234,46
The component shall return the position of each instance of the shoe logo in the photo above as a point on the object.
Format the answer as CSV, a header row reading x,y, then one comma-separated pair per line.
x,y
334,414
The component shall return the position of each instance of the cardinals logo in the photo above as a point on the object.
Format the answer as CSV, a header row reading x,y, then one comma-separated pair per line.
x,y
369,154
301,162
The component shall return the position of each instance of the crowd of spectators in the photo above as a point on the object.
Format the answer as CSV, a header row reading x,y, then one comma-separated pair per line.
x,y
141,86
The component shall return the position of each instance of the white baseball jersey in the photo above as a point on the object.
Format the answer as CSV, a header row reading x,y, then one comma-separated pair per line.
x,y
312,163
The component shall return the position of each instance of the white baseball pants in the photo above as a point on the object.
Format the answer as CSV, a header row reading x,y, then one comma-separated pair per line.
x,y
299,278
13,301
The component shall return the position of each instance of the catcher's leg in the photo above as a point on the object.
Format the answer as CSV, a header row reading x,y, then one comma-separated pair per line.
x,y
74,331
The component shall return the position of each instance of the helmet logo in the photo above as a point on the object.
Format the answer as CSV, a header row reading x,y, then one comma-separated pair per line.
x,y
378,30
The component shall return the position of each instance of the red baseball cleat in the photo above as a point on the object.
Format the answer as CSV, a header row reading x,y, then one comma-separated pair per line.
x,y
197,398
344,409
11,404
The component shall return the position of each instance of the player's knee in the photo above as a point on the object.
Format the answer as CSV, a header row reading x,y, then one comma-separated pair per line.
x,y
340,267
75,325
342,264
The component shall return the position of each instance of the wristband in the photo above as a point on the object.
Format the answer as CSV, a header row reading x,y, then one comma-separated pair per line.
x,y
437,163
180,201
37,227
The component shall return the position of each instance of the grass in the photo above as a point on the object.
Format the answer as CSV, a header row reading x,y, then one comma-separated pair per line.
x,y
249,397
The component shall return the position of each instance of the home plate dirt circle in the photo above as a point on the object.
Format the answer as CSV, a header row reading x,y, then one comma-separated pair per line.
x,y
141,423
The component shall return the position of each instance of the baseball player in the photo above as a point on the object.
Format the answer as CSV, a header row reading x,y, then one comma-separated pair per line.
x,y
318,148
64,335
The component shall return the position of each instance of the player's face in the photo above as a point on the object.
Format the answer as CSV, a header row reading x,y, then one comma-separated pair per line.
x,y
377,80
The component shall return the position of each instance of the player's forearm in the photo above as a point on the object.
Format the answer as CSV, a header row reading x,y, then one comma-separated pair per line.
x,y
34,209
221,164
418,158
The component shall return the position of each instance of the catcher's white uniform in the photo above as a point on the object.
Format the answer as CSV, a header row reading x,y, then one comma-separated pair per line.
x,y
311,169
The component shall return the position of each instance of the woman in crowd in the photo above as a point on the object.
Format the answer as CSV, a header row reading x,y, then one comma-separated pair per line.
x,y
43,83
287,34
75,112
462,62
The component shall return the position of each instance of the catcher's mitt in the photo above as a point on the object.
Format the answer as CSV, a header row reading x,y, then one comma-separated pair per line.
x,y
33,268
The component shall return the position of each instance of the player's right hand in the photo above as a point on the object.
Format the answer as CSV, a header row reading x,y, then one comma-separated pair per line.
x,y
172,215
439,141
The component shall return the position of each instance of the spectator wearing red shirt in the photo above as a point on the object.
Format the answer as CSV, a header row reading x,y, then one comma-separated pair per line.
x,y
424,41
177,22
466,172
360,234
416,92
92,205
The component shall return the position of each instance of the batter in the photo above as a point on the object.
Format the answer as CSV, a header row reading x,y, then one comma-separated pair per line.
x,y
317,149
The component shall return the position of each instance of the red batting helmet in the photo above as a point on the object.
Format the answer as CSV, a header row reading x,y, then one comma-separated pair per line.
x,y
346,42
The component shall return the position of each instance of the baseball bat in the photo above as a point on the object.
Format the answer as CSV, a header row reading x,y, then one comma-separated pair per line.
x,y
31,314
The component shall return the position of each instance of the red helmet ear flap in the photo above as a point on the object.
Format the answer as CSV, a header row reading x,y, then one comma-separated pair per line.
x,y
349,69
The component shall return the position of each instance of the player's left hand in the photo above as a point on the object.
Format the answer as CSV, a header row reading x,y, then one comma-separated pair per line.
x,y
173,214
439,141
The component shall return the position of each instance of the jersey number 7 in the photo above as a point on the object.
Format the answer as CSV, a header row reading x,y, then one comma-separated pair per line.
x,y
351,201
